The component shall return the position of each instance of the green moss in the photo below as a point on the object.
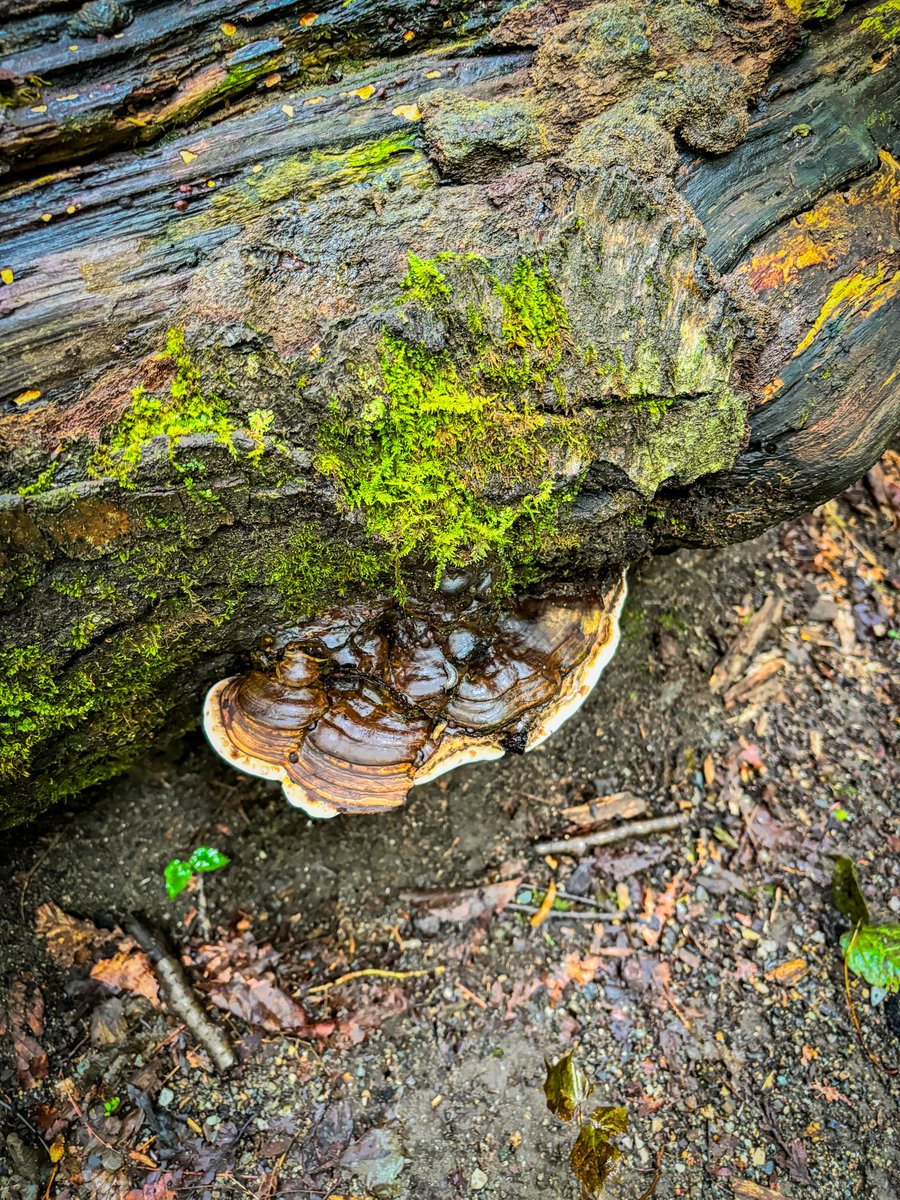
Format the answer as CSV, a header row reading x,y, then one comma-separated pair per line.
x,y
311,571
437,438
424,281
43,483
186,409
533,311
120,689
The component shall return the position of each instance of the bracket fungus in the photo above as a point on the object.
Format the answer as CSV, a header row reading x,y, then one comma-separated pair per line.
x,y
350,711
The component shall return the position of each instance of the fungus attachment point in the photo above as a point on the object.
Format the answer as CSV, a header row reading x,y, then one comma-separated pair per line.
x,y
365,703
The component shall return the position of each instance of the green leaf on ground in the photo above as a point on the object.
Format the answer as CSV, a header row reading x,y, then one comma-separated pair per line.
x,y
873,951
178,876
593,1157
847,894
205,858
566,1088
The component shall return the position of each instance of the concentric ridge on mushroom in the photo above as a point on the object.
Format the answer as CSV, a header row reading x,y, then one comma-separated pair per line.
x,y
353,709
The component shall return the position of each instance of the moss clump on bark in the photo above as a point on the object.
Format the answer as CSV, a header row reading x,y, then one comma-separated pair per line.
x,y
436,436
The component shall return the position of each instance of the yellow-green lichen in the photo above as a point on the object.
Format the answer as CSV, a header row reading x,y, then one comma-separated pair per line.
x,y
884,20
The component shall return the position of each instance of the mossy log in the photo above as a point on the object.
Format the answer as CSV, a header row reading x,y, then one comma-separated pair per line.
x,y
304,306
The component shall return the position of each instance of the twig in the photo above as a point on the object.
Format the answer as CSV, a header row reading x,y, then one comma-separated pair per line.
x,y
561,895
377,971
179,996
607,837
566,914
654,1182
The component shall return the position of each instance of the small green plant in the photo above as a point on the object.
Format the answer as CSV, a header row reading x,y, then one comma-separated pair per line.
x,y
594,1155
178,873
111,1105
871,952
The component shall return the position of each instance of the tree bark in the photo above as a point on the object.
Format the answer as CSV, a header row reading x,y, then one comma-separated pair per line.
x,y
632,268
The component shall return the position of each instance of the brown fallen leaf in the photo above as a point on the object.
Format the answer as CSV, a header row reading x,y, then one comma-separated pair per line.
x,y
658,910
262,1003
25,1025
573,969
70,941
744,1189
458,906
128,970
790,972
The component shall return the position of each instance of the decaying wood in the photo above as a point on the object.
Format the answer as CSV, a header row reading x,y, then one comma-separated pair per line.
x,y
713,191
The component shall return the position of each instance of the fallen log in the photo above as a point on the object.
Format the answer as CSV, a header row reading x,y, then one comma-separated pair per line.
x,y
299,309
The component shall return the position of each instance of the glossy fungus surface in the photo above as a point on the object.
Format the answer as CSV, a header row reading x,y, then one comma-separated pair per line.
x,y
353,709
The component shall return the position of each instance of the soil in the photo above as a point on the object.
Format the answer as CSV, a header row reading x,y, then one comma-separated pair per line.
x,y
711,1004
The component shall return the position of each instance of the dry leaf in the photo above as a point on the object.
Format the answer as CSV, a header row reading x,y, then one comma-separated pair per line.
x,y
69,939
128,970
572,969
543,912
26,1024
460,905
655,915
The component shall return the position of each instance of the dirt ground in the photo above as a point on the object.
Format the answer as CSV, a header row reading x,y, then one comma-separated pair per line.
x,y
696,974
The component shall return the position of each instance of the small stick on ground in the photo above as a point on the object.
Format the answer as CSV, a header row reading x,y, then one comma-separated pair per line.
x,y
377,972
607,837
657,1175
178,995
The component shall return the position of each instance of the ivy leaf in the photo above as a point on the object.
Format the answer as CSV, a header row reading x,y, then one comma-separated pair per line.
x,y
610,1119
873,951
566,1087
205,858
847,894
177,876
593,1158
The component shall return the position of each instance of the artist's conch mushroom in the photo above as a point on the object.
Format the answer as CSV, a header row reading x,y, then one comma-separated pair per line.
x,y
357,707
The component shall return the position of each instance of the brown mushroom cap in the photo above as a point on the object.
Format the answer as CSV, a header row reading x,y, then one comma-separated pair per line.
x,y
361,706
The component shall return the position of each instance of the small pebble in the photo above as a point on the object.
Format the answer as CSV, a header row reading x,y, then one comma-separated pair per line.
x,y
478,1180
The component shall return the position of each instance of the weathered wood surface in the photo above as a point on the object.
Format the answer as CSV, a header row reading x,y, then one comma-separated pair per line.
x,y
702,392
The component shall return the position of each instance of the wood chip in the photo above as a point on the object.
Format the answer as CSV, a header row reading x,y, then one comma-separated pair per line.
x,y
617,806
733,663
790,972
744,1189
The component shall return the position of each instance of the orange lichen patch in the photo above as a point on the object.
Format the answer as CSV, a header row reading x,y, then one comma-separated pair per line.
x,y
409,112
89,519
368,701
780,267
857,295
770,390
308,18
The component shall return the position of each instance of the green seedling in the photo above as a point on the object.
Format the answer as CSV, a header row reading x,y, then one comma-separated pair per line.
x,y
178,873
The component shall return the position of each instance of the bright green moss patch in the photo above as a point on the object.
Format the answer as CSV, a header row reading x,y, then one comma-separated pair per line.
x,y
43,483
424,280
122,689
533,311
441,438
186,409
